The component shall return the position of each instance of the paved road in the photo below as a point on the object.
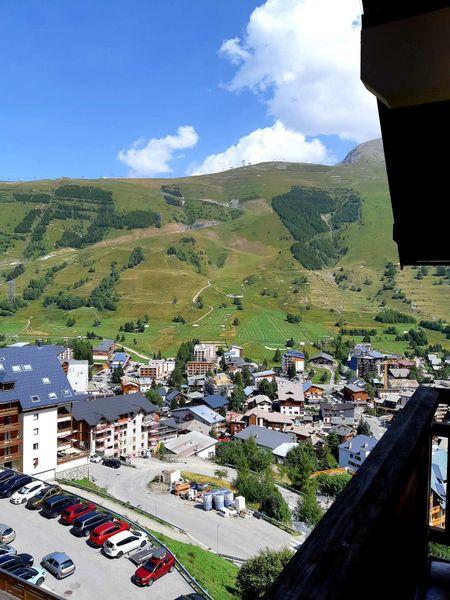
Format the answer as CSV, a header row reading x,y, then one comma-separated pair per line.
x,y
234,536
96,576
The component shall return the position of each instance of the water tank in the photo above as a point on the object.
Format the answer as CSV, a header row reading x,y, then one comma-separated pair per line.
x,y
207,501
218,499
228,498
239,503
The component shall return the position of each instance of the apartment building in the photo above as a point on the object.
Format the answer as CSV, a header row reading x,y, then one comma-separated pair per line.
x,y
199,367
293,358
36,433
157,369
205,352
77,372
125,425
290,397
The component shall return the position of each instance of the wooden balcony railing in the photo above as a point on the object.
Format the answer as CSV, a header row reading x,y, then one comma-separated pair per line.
x,y
10,443
373,541
9,427
22,589
9,412
4,458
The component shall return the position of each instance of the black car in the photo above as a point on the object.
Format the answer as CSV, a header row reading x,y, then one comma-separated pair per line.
x,y
6,474
82,526
11,562
11,485
54,506
114,463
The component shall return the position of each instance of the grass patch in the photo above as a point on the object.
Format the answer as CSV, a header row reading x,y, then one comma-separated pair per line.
x,y
215,574
88,484
205,479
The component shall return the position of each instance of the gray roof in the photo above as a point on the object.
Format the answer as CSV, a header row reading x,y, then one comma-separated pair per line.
x,y
38,377
104,346
93,410
322,355
265,437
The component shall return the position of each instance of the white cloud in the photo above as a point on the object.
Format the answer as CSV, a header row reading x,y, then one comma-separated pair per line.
x,y
147,159
267,144
302,57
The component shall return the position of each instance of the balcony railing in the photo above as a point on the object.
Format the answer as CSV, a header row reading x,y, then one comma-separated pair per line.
x,y
373,541
8,443
4,458
18,588
9,427
9,412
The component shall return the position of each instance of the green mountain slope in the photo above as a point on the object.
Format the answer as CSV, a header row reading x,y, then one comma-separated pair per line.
x,y
216,233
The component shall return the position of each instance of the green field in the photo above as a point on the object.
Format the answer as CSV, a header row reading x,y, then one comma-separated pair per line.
x,y
247,256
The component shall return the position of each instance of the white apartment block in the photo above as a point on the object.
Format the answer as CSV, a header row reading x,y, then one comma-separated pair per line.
x,y
205,352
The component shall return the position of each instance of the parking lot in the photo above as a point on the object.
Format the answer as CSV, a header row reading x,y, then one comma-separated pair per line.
x,y
237,537
96,576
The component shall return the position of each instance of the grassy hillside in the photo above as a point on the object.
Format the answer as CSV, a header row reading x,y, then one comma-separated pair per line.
x,y
231,242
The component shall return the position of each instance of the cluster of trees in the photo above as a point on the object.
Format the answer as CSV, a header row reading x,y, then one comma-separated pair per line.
x,y
244,455
258,573
389,315
9,307
291,318
358,331
14,272
301,211
36,287
132,327
36,197
259,488
84,192
136,257
186,252
82,350
104,296
64,301
439,325
185,353
179,319
26,223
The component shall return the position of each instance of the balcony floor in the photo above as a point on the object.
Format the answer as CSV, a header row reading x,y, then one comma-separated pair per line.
x,y
439,581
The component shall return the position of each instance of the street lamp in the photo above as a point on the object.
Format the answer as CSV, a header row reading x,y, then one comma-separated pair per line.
x,y
218,527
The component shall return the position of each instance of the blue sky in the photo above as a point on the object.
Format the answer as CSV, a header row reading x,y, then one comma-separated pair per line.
x,y
83,81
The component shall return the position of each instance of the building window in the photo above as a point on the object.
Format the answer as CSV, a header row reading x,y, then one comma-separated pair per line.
x,y
66,393
36,417
45,380
35,398
35,446
16,368
36,431
27,367
52,396
35,462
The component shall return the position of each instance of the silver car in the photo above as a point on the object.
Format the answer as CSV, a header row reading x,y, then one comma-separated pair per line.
x,y
59,564
7,534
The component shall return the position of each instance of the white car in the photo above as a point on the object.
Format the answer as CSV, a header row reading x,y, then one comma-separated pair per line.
x,y
27,491
124,542
95,458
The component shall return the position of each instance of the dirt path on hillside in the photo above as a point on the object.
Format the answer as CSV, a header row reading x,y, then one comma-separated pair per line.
x,y
138,234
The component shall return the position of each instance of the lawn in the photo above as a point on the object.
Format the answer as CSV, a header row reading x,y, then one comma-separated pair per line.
x,y
215,574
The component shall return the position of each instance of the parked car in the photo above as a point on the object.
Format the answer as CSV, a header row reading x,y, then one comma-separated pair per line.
x,y
82,526
59,564
7,534
36,502
124,542
95,458
9,562
103,532
159,564
27,491
6,474
7,488
6,549
35,575
114,463
53,507
74,511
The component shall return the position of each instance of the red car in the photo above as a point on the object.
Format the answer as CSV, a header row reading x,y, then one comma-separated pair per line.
x,y
100,534
159,564
73,511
